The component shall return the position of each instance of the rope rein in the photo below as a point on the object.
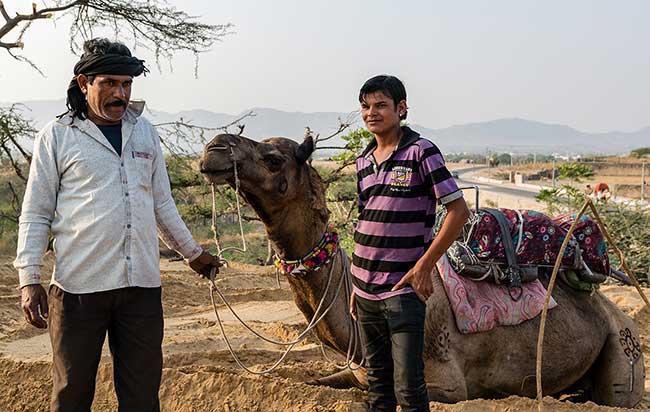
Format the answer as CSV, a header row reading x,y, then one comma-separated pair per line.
x,y
213,226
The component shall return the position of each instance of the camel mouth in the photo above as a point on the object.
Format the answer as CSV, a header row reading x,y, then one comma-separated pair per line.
x,y
220,176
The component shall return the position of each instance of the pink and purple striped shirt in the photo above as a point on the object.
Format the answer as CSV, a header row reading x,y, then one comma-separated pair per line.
x,y
397,212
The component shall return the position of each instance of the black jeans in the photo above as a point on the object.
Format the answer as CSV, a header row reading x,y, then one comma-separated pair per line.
x,y
392,332
78,325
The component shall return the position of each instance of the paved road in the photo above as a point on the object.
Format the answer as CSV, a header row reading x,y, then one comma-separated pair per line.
x,y
465,178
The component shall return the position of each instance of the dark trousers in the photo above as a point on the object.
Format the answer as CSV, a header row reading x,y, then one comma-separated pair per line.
x,y
392,332
78,324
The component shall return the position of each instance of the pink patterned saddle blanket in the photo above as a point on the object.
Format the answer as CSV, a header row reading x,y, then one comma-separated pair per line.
x,y
480,306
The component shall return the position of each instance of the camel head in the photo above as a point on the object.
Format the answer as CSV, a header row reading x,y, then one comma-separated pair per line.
x,y
276,179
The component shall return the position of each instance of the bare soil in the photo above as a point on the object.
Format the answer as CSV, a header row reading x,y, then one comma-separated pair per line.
x,y
199,373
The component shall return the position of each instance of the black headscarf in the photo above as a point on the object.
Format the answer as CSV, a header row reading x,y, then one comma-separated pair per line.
x,y
95,64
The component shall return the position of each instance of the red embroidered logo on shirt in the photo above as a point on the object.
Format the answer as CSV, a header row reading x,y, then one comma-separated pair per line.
x,y
142,155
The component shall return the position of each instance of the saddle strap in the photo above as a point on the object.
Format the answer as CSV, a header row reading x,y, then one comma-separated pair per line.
x,y
513,271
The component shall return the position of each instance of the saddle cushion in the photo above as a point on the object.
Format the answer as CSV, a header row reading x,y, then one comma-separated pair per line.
x,y
480,306
541,240
591,241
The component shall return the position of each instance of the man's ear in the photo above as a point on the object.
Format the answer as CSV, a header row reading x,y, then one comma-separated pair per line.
x,y
82,81
402,107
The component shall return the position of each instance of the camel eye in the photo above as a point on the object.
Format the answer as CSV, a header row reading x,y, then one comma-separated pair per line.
x,y
273,162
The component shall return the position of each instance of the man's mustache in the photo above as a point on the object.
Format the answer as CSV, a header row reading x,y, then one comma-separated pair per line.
x,y
116,103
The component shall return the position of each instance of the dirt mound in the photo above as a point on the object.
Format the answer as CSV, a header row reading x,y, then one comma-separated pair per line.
x,y
199,373
192,387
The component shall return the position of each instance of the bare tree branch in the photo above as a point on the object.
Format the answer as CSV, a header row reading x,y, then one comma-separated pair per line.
x,y
153,24
331,148
14,127
3,11
47,13
14,164
189,125
14,204
237,121
26,60
343,125
336,173
14,45
181,137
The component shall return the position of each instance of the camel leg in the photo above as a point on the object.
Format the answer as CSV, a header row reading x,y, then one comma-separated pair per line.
x,y
615,381
344,379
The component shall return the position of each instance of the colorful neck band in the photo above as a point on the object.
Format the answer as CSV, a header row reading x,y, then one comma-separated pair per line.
x,y
317,257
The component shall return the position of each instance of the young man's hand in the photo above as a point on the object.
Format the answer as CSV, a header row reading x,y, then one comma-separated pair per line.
x,y
204,264
419,277
34,305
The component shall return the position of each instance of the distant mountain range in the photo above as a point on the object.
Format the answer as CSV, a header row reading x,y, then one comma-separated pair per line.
x,y
502,135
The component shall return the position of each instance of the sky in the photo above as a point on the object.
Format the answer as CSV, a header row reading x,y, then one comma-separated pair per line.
x,y
583,63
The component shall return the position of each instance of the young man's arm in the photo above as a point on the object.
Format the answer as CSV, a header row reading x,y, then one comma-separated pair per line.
x,y
171,227
36,217
419,277
434,172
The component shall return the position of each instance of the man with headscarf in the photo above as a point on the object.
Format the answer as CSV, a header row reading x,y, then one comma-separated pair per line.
x,y
98,182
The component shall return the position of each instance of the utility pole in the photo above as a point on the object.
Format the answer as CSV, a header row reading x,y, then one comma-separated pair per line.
x,y
553,173
643,181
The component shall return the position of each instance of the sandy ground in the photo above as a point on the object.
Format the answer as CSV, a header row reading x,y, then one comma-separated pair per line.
x,y
200,375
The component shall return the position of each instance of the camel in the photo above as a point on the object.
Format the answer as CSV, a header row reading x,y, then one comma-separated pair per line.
x,y
587,337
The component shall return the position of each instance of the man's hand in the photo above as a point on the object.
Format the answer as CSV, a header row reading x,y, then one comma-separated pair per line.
x,y
353,306
204,263
34,304
419,277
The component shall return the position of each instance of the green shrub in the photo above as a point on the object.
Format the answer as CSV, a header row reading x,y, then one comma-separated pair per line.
x,y
574,171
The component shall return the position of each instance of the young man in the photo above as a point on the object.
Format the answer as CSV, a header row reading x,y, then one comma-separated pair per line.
x,y
98,182
401,177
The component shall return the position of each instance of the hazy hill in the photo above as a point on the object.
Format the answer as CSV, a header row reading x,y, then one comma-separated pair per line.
x,y
516,135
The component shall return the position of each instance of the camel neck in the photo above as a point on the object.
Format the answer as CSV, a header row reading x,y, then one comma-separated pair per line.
x,y
297,234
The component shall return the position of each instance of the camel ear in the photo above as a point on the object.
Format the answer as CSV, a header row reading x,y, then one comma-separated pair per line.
x,y
305,149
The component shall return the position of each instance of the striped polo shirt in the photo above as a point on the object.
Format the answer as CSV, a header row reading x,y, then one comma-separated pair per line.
x,y
397,212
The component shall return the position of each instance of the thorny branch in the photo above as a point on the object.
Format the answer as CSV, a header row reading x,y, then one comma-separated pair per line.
x,y
343,125
152,24
182,137
13,129
15,205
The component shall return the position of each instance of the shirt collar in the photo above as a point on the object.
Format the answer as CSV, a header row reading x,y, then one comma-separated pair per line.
x,y
409,136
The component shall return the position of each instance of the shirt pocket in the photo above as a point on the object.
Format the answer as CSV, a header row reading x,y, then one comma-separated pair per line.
x,y
142,161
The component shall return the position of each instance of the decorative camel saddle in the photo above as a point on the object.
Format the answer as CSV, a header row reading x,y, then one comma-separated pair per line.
x,y
512,247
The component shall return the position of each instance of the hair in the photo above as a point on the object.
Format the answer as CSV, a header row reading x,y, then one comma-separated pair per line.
x,y
76,101
391,86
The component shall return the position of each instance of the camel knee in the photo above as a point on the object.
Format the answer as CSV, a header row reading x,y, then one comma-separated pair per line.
x,y
445,382
618,376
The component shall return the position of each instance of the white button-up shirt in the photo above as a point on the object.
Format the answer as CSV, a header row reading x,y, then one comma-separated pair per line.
x,y
104,211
